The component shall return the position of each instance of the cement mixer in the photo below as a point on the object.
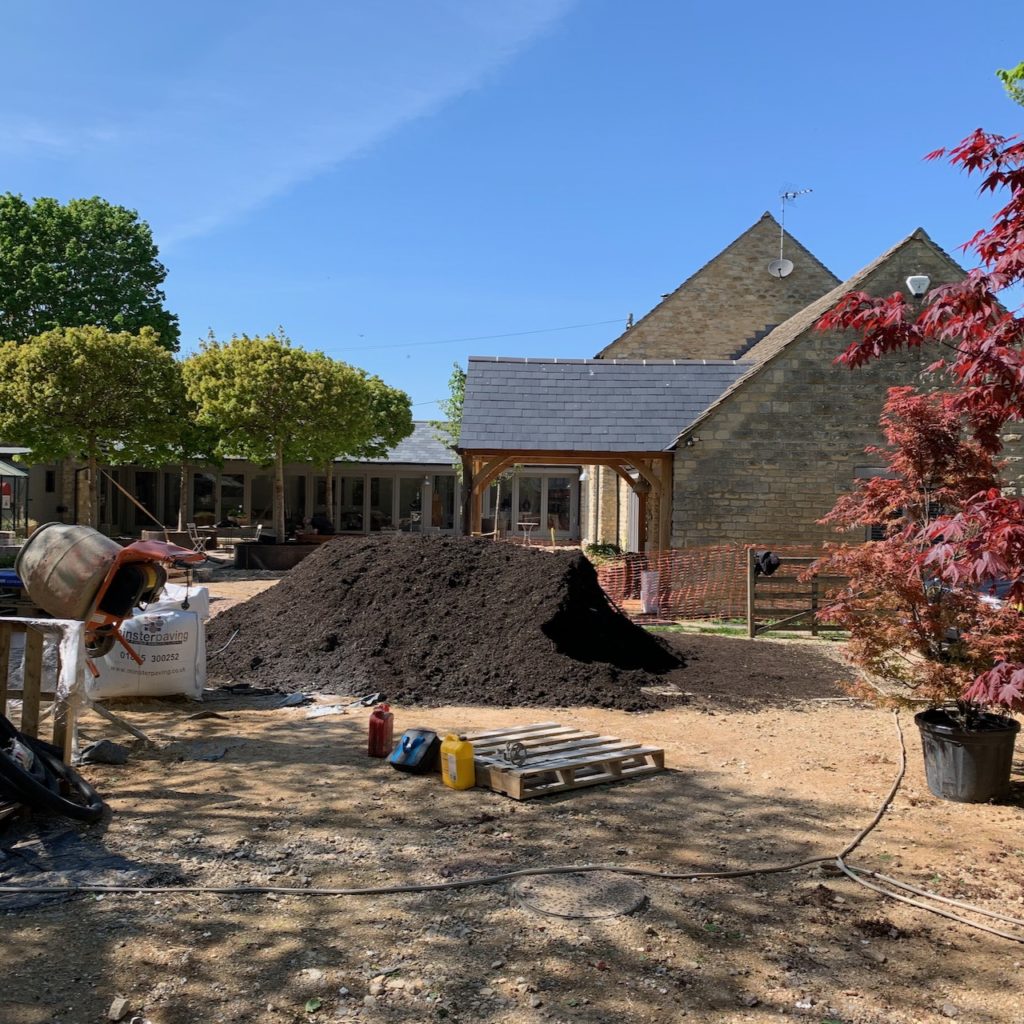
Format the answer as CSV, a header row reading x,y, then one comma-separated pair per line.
x,y
75,572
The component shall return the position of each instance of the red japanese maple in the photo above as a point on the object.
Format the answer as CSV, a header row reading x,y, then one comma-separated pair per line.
x,y
913,603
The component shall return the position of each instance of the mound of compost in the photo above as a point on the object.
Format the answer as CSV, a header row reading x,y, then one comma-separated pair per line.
x,y
441,620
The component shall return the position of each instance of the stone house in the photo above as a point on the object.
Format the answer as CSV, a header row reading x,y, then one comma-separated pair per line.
x,y
412,488
763,460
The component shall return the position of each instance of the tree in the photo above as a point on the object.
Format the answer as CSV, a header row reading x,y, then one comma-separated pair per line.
x,y
981,359
89,394
449,429
273,403
1013,82
194,444
359,416
390,419
88,263
906,624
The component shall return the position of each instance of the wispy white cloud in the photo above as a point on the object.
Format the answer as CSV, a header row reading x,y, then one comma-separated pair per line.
x,y
22,136
285,95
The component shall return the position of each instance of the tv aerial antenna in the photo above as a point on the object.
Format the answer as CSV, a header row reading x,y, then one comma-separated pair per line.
x,y
783,267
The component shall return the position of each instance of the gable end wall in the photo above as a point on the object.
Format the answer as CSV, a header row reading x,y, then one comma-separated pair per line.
x,y
728,302
775,456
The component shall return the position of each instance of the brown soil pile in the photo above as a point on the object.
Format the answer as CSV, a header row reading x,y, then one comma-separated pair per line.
x,y
441,620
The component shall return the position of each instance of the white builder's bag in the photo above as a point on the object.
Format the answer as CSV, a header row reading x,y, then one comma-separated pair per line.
x,y
172,644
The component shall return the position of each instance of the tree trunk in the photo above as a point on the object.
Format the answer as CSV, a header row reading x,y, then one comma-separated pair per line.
x,y
279,493
183,495
329,492
94,491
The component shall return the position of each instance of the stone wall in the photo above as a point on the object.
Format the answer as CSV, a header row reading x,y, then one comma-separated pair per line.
x,y
776,454
728,303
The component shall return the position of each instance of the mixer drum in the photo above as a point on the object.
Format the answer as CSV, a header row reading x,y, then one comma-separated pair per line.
x,y
63,567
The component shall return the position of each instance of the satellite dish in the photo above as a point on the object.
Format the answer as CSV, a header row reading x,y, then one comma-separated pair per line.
x,y
780,268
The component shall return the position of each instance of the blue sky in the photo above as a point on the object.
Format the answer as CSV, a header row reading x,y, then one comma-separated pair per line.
x,y
381,178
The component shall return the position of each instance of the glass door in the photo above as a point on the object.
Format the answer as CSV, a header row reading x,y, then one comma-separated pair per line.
x,y
145,494
558,505
442,503
381,495
410,504
350,492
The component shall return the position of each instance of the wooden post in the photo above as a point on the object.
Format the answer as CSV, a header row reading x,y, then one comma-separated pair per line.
x,y
642,489
665,508
814,605
63,726
751,591
467,495
32,682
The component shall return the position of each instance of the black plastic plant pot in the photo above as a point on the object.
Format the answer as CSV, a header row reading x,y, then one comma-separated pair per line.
x,y
967,765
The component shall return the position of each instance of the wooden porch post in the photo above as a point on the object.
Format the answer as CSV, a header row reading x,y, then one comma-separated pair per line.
x,y
643,489
467,495
665,508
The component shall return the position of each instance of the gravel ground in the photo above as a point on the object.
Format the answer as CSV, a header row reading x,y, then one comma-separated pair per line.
x,y
295,801
764,767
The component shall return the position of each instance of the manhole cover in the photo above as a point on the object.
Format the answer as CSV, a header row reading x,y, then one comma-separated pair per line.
x,y
585,895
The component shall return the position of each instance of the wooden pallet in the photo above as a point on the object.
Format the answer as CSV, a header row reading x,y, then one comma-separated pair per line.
x,y
558,758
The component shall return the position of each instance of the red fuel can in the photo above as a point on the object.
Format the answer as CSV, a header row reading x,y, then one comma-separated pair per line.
x,y
382,730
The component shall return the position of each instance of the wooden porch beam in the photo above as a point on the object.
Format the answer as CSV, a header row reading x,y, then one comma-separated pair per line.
x,y
561,457
490,472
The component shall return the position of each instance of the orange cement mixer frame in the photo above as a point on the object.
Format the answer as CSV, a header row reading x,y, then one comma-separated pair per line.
x,y
99,623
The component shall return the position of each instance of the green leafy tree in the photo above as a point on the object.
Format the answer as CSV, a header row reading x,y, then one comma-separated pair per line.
x,y
449,429
195,444
358,416
272,403
390,419
1013,82
87,263
86,393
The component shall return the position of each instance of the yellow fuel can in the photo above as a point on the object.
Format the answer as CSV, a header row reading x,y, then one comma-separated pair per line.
x,y
457,768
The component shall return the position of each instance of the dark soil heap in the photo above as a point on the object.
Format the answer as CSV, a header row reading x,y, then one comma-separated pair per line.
x,y
441,620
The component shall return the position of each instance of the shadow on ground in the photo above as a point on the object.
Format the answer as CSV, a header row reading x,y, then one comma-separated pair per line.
x,y
296,802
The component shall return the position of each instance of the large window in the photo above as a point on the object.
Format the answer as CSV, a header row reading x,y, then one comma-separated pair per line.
x,y
145,495
559,503
204,498
529,506
442,503
232,496
382,489
350,492
410,504
172,497
262,499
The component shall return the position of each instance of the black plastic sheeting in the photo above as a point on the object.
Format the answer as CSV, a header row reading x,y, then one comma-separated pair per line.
x,y
58,854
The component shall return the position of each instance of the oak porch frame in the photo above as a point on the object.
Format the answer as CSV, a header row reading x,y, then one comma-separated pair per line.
x,y
481,466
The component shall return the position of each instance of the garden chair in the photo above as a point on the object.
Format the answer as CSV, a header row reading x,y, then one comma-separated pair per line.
x,y
197,540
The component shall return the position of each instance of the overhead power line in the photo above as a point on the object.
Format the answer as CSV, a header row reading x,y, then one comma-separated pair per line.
x,y
480,337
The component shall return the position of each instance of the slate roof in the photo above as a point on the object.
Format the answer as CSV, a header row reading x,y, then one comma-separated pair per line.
x,y
420,448
614,405
786,333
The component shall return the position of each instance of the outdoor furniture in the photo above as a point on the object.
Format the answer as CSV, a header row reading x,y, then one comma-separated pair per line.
x,y
197,541
528,523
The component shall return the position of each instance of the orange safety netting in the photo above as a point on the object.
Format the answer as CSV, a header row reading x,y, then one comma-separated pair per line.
x,y
692,583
